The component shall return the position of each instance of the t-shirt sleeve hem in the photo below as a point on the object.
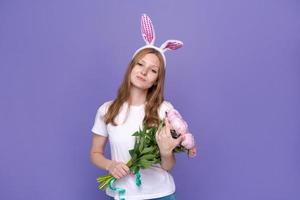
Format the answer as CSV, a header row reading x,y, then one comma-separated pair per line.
x,y
99,133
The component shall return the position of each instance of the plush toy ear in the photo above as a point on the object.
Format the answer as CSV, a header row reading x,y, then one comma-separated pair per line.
x,y
171,45
147,29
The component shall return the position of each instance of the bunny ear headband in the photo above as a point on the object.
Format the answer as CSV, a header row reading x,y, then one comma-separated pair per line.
x,y
148,34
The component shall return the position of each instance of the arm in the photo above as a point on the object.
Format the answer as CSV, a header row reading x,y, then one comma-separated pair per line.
x,y
117,169
167,161
97,152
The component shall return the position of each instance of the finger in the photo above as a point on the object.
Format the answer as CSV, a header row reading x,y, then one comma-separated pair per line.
x,y
169,135
157,136
166,132
116,175
123,172
162,132
168,128
167,123
120,173
120,176
179,140
126,168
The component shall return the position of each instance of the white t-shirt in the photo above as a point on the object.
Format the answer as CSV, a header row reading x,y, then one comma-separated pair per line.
x,y
156,182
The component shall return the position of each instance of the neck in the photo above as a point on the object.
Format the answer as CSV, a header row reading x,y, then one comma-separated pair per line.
x,y
137,96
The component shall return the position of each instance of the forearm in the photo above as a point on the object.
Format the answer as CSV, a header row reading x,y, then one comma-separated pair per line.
x,y
167,161
99,160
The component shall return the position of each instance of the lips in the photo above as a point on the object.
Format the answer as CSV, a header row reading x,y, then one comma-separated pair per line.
x,y
142,79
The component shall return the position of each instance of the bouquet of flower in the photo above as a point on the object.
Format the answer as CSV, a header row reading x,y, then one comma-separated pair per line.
x,y
146,151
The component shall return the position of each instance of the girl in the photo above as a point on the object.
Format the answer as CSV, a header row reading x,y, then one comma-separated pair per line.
x,y
139,100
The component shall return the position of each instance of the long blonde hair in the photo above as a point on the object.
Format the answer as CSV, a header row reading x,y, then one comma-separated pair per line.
x,y
154,97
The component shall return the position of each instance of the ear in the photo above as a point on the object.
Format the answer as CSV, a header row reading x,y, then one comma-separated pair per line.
x,y
147,29
171,45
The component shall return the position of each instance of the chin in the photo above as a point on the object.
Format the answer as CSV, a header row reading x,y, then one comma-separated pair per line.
x,y
140,86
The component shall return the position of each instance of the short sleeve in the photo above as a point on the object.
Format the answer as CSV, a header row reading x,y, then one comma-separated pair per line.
x,y
99,126
165,106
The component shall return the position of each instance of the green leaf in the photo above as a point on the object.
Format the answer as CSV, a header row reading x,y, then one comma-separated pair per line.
x,y
148,149
145,164
141,144
148,157
131,152
136,134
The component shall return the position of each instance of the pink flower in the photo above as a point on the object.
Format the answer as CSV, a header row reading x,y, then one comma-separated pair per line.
x,y
173,114
176,122
188,141
180,126
192,152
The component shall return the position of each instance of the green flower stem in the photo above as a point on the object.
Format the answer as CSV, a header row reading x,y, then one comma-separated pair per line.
x,y
129,163
104,180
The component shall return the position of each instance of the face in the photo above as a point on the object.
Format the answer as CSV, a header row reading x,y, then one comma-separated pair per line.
x,y
144,74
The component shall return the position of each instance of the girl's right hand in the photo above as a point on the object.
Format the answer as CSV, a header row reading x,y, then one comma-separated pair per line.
x,y
118,169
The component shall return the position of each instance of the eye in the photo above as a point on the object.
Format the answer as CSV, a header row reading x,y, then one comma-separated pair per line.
x,y
140,64
154,71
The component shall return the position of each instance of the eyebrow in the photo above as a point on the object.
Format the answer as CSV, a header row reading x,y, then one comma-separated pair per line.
x,y
151,65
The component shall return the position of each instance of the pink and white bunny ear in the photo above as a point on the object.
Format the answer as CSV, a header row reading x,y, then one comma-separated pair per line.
x,y
171,45
147,29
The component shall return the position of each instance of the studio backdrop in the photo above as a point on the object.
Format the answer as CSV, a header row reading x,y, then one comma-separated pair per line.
x,y
235,81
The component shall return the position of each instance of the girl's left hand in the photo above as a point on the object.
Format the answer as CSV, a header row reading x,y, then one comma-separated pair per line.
x,y
165,141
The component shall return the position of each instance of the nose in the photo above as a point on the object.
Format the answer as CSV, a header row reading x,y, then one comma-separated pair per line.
x,y
144,71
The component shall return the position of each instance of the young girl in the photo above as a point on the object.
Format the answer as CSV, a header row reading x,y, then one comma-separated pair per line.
x,y
139,100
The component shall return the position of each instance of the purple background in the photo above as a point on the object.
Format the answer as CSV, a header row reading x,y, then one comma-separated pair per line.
x,y
236,81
